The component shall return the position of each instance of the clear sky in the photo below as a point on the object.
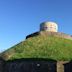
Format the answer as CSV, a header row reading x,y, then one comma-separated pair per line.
x,y
19,18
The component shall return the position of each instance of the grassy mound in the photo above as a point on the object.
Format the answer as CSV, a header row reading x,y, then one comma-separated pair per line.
x,y
49,47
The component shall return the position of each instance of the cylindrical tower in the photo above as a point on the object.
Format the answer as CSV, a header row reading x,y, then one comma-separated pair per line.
x,y
49,26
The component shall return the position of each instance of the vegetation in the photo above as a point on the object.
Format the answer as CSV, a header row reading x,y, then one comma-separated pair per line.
x,y
49,47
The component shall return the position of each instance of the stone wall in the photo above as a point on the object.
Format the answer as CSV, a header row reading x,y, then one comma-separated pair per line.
x,y
56,34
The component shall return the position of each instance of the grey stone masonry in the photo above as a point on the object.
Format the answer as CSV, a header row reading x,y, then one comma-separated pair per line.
x,y
60,66
56,34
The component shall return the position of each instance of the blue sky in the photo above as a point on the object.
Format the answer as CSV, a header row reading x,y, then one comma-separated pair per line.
x,y
19,18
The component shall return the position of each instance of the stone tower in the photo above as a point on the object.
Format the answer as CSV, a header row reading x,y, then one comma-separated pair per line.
x,y
49,26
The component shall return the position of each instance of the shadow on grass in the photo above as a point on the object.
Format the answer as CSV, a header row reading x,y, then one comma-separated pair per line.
x,y
33,59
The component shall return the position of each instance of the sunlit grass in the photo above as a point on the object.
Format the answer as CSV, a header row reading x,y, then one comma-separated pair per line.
x,y
42,47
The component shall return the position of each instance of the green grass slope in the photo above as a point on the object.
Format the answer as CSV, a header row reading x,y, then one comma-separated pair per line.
x,y
49,47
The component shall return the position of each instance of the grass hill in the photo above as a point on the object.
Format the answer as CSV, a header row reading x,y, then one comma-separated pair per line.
x,y
49,47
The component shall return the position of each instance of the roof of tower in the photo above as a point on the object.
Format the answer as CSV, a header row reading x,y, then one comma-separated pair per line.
x,y
49,22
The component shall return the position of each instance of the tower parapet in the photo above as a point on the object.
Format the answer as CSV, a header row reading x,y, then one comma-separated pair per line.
x,y
50,29
49,26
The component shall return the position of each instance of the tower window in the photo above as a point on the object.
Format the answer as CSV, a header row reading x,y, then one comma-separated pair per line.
x,y
45,27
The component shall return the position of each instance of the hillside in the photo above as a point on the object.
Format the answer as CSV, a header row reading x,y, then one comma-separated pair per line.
x,y
49,47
